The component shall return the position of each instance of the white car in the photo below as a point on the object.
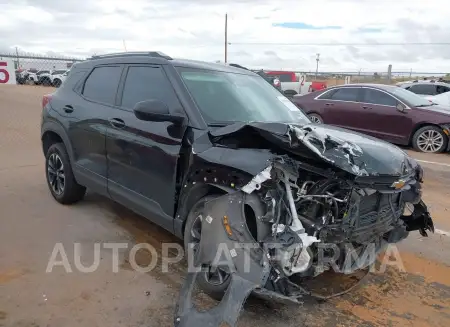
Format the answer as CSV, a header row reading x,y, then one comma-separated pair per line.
x,y
442,99
426,88
36,77
57,77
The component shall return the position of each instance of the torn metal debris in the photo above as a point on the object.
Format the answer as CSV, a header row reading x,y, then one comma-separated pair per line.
x,y
291,202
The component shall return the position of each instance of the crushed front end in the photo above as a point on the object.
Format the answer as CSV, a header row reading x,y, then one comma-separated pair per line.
x,y
294,220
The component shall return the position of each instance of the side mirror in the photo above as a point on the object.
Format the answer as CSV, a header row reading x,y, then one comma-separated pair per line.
x,y
400,107
155,110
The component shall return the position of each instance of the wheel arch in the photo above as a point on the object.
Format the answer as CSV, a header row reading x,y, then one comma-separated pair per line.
x,y
52,132
195,193
419,126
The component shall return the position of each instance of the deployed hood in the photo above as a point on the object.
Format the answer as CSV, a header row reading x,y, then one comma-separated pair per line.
x,y
352,152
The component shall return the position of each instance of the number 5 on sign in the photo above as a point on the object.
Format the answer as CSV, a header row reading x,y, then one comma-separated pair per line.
x,y
7,72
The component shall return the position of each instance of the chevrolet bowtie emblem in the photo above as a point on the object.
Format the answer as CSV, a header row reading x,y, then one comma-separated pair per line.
x,y
398,184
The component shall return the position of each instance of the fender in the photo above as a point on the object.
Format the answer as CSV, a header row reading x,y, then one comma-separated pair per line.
x,y
56,127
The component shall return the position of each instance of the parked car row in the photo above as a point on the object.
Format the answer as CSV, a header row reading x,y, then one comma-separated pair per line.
x,y
41,77
426,88
388,112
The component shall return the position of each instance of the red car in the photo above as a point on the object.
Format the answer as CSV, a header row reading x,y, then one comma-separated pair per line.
x,y
387,112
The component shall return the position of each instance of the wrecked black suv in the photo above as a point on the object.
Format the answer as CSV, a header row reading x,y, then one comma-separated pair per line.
x,y
217,156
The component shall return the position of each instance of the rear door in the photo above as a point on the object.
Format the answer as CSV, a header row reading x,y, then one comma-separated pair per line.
x,y
382,119
341,107
143,155
91,112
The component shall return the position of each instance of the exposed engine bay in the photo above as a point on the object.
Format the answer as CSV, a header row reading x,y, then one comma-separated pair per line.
x,y
294,220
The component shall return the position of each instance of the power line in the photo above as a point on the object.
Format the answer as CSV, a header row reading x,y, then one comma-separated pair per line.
x,y
342,44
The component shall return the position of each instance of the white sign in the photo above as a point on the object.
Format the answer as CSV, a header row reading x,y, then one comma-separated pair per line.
x,y
348,79
7,72
302,79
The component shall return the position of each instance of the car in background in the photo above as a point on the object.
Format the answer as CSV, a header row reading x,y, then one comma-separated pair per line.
x,y
426,88
442,99
272,80
24,73
19,77
58,77
36,78
293,83
387,112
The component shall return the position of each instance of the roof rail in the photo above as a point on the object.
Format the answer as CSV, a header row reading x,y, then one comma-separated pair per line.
x,y
157,54
238,66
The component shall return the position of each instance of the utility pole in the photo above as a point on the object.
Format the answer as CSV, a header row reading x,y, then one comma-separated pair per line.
x,y
317,66
226,38
17,55
124,45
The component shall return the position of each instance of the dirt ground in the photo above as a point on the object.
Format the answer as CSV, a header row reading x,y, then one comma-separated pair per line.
x,y
31,223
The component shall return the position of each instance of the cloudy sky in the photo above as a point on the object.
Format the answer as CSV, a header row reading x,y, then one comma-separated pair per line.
x,y
262,34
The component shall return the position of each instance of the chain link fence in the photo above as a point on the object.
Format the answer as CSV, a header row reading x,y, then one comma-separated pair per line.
x,y
49,71
39,70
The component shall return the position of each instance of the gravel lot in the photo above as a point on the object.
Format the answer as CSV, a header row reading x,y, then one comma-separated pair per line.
x,y
31,223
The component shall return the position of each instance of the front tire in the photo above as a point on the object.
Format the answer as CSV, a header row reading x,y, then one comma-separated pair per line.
x,y
60,179
212,283
315,118
430,139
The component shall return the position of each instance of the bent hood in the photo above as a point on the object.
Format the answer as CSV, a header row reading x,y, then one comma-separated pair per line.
x,y
352,152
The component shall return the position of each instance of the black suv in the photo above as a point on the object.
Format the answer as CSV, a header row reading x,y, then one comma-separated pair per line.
x,y
216,155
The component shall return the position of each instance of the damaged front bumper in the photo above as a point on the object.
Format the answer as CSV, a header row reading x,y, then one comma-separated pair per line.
x,y
227,243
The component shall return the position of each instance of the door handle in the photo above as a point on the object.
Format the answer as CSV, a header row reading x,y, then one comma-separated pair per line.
x,y
117,122
366,107
68,108
329,104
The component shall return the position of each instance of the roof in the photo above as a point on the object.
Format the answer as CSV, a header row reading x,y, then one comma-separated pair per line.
x,y
423,83
209,66
155,57
378,86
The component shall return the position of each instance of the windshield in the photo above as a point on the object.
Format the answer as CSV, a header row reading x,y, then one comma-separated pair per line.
x,y
410,97
230,97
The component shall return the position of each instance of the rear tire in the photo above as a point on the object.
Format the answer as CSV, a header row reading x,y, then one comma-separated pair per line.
x,y
315,118
430,139
60,179
206,284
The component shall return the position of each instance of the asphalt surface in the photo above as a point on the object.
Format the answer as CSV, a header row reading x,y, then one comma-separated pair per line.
x,y
31,223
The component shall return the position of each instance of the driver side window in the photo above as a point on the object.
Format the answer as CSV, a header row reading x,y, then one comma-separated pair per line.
x,y
379,98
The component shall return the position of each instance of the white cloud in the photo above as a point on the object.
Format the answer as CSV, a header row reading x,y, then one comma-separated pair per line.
x,y
195,29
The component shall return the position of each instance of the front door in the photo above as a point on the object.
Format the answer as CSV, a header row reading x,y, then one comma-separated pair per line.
x,y
143,155
382,119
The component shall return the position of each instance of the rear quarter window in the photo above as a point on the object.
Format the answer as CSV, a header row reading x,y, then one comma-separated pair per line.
x,y
101,85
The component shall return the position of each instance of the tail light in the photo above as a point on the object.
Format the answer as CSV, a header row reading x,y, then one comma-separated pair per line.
x,y
46,100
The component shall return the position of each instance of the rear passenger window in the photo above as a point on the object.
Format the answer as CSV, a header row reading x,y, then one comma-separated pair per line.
x,y
326,95
346,94
102,83
145,83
